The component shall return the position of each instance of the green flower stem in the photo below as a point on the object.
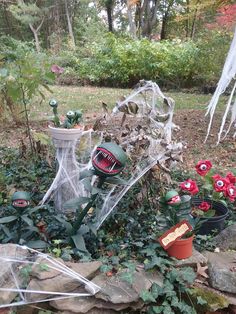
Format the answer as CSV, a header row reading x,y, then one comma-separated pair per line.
x,y
56,118
84,212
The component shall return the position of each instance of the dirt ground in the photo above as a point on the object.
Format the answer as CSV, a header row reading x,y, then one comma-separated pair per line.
x,y
193,127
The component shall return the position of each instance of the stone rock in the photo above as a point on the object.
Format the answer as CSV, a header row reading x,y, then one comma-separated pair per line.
x,y
222,271
152,276
86,269
225,240
214,299
47,279
193,260
93,311
6,268
85,305
116,290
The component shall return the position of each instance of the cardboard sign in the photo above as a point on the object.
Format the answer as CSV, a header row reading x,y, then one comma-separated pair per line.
x,y
174,233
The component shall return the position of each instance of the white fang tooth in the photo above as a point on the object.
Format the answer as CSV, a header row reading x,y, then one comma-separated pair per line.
x,y
97,155
112,167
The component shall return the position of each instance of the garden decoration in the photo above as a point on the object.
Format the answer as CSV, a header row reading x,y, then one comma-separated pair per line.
x,y
66,136
147,142
20,200
142,125
21,263
178,238
109,159
228,75
174,244
209,202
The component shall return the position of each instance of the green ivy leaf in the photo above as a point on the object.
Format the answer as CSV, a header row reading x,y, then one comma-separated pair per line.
x,y
8,219
201,301
147,296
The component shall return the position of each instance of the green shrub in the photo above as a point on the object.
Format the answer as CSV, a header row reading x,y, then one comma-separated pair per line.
x,y
122,62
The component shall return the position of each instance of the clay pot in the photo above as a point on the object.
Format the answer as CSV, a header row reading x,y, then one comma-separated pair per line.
x,y
182,248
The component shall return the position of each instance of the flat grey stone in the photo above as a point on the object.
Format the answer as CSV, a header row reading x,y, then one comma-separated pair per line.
x,y
6,268
193,260
222,271
225,240
51,280
115,290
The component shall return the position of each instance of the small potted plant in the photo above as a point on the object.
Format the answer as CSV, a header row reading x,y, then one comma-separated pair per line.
x,y
68,128
179,224
210,196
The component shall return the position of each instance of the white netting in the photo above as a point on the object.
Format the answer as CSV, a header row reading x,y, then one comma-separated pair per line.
x,y
67,184
28,276
227,76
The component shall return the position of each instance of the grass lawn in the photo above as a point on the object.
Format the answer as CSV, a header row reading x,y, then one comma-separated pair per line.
x,y
89,100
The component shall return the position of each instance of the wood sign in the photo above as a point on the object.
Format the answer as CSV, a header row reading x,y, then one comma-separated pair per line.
x,y
174,233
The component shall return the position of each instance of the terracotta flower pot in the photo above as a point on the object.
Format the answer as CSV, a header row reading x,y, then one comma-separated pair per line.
x,y
182,248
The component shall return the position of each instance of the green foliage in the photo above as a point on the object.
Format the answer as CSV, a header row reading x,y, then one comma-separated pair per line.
x,y
23,75
168,298
115,61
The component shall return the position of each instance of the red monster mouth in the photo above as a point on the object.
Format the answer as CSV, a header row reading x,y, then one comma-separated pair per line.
x,y
20,203
105,161
175,199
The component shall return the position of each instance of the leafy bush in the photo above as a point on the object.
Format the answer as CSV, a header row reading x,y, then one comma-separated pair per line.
x,y
115,61
22,74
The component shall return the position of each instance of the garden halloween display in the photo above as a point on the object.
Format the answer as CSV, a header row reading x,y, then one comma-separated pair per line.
x,y
20,200
67,184
142,125
147,142
108,159
227,76
177,239
21,264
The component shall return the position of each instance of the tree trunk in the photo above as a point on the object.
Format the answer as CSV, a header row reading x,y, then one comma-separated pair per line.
x,y
163,27
109,9
69,25
36,36
132,26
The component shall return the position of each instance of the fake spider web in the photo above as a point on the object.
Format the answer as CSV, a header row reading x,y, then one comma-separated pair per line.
x,y
146,137
21,269
228,75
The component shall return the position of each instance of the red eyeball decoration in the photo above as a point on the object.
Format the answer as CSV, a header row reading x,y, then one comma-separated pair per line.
x,y
231,177
230,192
204,206
203,167
190,186
220,183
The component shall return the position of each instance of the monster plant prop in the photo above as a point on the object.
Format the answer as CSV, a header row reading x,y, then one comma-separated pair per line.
x,y
108,160
73,118
141,124
66,135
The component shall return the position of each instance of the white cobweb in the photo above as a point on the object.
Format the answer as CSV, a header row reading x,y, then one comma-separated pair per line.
x,y
228,75
21,267
146,137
